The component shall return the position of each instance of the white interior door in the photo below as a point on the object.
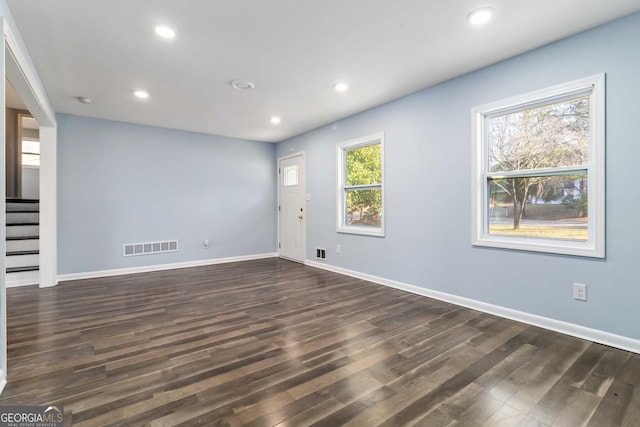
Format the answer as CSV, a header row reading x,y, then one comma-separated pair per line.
x,y
291,208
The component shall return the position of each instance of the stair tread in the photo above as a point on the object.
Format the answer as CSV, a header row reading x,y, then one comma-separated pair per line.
x,y
22,223
15,253
10,200
20,269
23,238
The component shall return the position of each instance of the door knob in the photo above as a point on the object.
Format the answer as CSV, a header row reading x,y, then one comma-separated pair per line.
x,y
300,217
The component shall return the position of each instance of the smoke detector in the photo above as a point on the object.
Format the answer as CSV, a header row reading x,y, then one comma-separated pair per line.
x,y
241,84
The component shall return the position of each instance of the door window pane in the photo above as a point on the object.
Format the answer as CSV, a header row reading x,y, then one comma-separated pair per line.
x,y
290,175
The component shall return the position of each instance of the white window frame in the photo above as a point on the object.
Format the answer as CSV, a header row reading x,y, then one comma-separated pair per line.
x,y
594,87
341,191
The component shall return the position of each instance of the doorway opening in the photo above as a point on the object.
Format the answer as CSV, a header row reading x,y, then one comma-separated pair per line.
x,y
22,187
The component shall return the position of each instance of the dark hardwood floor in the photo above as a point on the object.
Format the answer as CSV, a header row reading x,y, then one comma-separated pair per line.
x,y
275,343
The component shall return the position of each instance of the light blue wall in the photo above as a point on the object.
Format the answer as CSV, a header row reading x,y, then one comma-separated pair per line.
x,y
428,189
121,183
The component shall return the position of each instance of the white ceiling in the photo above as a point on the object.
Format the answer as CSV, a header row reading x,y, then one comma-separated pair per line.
x,y
293,50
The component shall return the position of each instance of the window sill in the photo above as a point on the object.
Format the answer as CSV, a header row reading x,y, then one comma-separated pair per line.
x,y
550,246
364,231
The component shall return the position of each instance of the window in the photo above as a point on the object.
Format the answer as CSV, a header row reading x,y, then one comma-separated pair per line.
x,y
360,186
30,153
538,171
290,175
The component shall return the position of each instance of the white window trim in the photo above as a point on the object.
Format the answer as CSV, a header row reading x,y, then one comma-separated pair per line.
x,y
341,148
595,246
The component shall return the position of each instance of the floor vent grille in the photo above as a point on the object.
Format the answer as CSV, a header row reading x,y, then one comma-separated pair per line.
x,y
148,248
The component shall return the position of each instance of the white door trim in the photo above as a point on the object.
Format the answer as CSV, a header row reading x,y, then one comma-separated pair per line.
x,y
3,232
48,207
24,79
16,66
304,188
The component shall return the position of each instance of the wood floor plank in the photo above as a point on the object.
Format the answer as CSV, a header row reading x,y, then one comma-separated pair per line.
x,y
621,404
275,343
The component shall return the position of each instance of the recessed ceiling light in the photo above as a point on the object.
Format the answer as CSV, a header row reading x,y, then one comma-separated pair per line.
x,y
275,120
241,84
480,16
341,87
84,100
142,94
165,32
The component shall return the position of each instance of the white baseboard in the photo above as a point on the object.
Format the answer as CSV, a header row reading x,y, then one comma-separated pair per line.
x,y
595,335
160,267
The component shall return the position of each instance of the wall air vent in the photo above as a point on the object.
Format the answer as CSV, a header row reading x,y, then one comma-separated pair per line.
x,y
133,249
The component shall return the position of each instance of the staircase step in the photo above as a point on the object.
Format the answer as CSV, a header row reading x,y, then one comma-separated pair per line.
x,y
21,217
22,260
26,268
17,253
22,245
14,205
22,278
22,208
12,200
22,230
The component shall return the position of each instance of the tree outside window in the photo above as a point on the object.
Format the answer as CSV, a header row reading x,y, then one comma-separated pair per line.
x,y
542,138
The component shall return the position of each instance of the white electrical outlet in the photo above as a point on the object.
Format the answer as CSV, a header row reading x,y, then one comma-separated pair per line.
x,y
338,249
580,291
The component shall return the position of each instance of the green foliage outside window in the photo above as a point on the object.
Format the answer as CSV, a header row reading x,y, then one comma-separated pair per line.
x,y
364,167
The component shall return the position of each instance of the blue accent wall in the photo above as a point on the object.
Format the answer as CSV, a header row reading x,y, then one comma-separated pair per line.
x,y
428,189
122,183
